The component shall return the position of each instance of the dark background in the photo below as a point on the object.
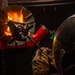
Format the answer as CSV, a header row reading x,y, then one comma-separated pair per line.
x,y
51,14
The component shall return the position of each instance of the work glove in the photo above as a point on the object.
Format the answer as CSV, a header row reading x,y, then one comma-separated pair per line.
x,y
40,62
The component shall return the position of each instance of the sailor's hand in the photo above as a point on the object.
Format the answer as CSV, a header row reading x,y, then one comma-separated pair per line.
x,y
40,62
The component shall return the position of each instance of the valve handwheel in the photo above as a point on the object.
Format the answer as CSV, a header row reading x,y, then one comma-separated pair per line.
x,y
21,18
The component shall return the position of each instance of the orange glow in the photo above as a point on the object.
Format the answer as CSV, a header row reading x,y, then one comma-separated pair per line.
x,y
7,32
14,16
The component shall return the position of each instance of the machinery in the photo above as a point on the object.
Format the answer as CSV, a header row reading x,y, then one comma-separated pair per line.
x,y
17,30
18,27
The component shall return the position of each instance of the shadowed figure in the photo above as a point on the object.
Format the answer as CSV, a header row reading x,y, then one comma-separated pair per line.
x,y
64,38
